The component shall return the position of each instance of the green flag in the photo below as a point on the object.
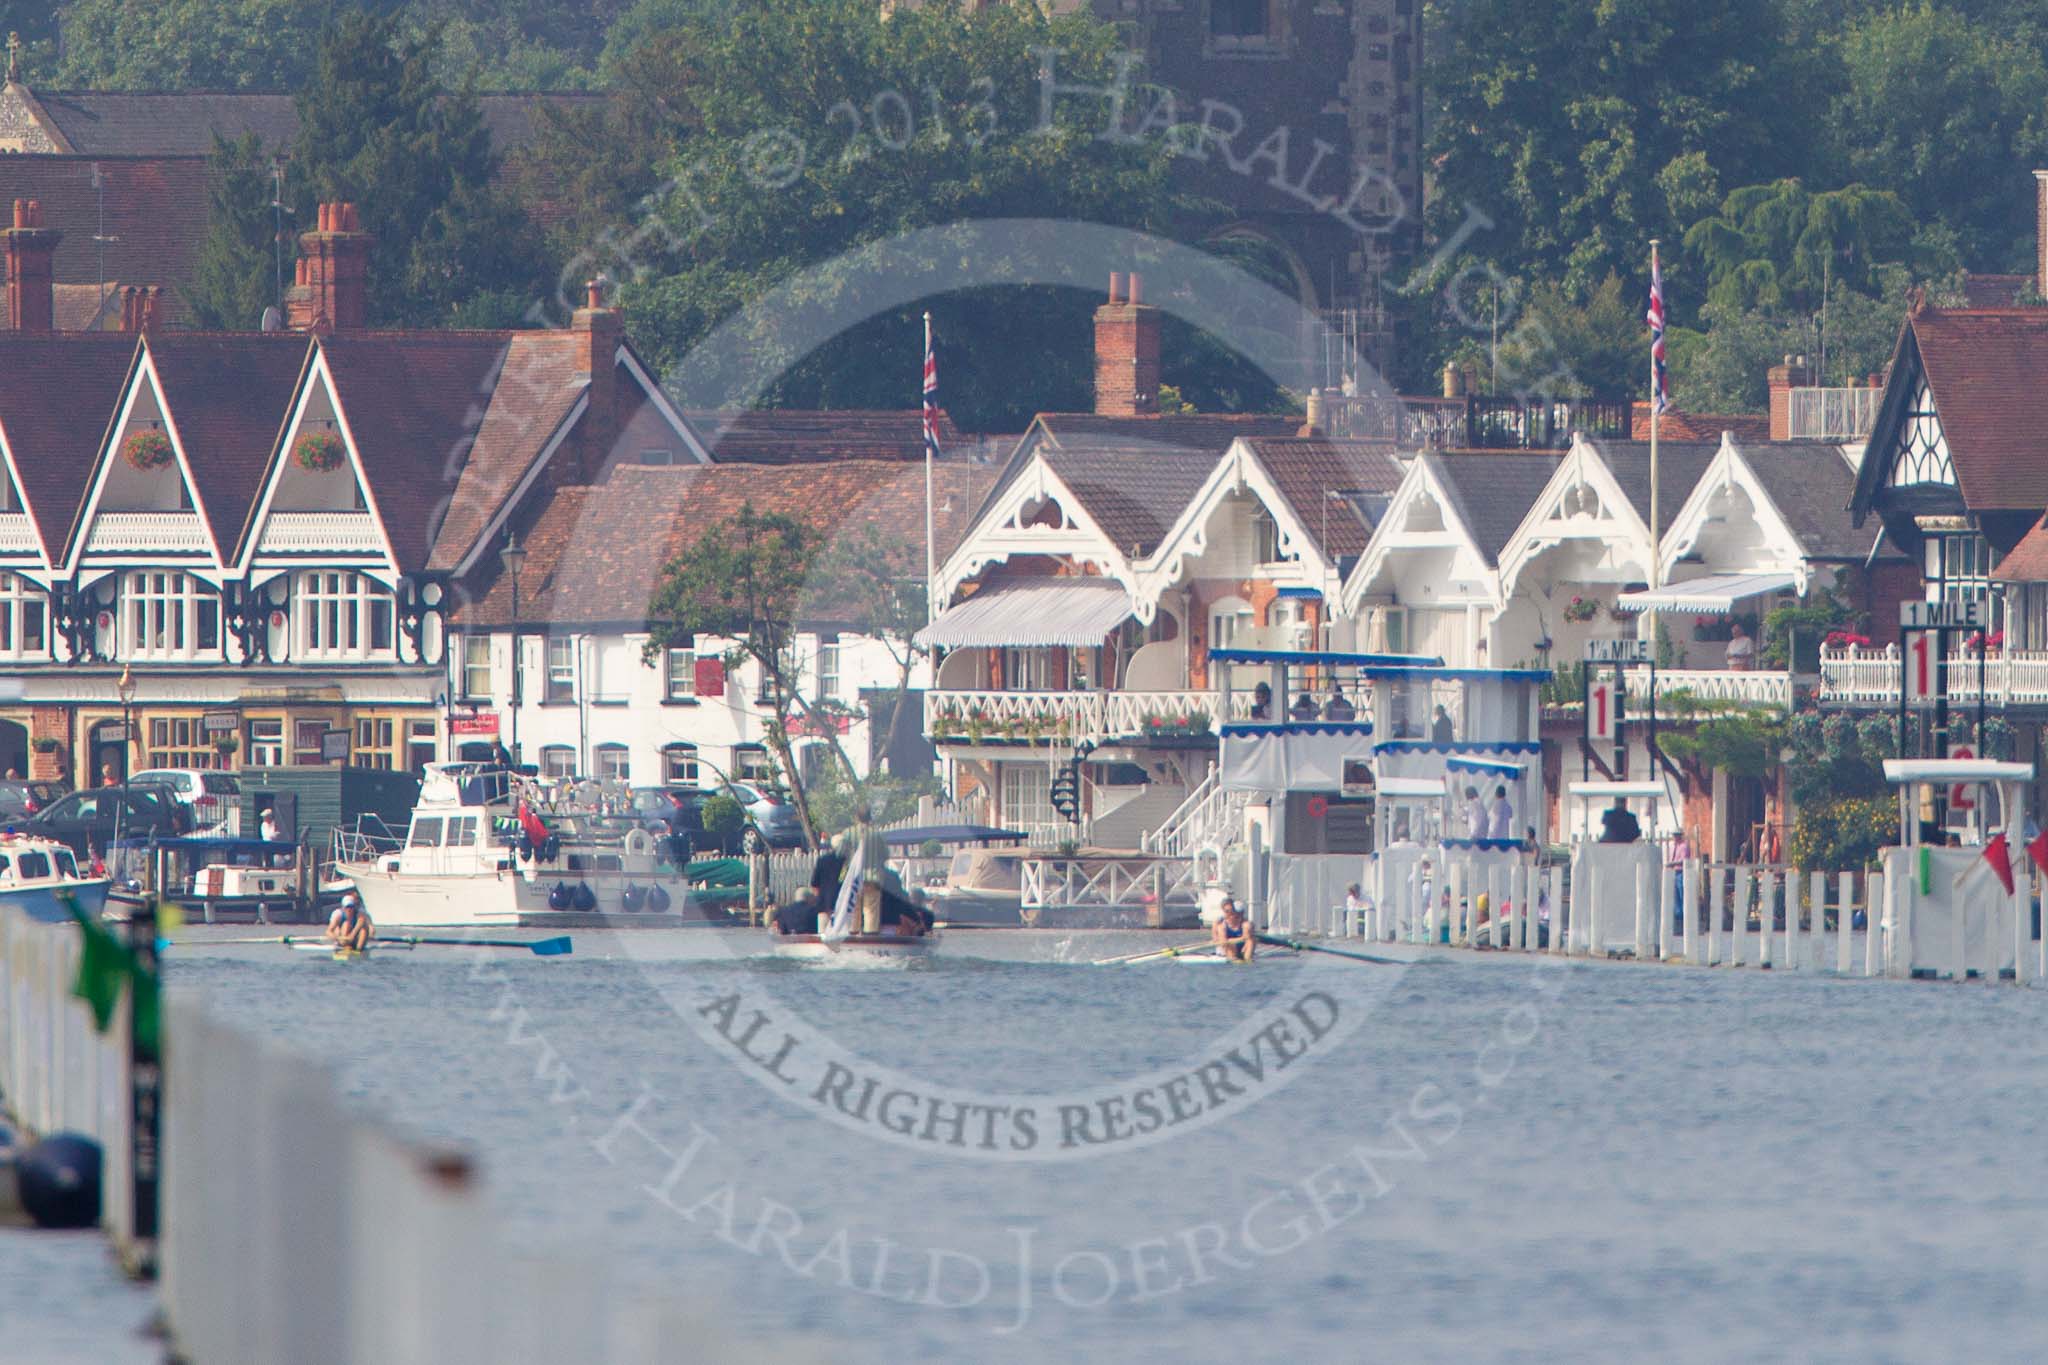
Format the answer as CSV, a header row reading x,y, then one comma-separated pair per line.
x,y
104,964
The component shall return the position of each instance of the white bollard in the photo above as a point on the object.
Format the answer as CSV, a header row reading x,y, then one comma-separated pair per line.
x,y
1499,888
1694,949
1738,915
1768,887
1554,893
1520,908
1877,905
2022,924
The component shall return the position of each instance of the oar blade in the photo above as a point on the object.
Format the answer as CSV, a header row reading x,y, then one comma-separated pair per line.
x,y
553,947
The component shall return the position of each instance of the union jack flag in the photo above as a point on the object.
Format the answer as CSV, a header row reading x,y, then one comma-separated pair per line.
x,y
1660,380
931,392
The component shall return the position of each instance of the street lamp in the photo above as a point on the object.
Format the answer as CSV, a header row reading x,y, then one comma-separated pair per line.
x,y
124,688
514,556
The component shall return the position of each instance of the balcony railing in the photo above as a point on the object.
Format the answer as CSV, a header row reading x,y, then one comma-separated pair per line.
x,y
1065,718
16,534
1722,685
1833,414
1871,677
121,532
1477,422
313,532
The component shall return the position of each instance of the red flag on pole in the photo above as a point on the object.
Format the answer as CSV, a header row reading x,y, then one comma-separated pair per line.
x,y
2000,857
538,832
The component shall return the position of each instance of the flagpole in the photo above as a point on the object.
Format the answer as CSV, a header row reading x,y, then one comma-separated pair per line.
x,y
1656,420
931,566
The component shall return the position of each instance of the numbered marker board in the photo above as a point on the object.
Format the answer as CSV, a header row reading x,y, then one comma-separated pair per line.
x,y
1922,663
1603,709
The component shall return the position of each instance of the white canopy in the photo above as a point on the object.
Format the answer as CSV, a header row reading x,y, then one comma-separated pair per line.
x,y
1075,612
1706,596
1411,787
1903,770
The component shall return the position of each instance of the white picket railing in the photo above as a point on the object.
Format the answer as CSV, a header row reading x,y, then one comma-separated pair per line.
x,y
1212,816
58,1072
1145,885
1720,684
1871,677
1817,414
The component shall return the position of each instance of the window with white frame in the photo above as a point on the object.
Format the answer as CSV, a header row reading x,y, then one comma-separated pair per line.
x,y
1230,624
1265,537
1028,670
24,616
751,763
828,672
476,666
679,765
422,743
557,760
169,615
342,615
765,691
1027,796
179,742
561,668
614,763
681,674
266,743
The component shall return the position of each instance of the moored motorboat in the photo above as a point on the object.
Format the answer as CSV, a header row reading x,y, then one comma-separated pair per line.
x,y
41,876
876,947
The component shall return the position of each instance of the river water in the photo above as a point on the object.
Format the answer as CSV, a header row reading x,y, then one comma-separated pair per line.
x,y
1457,1157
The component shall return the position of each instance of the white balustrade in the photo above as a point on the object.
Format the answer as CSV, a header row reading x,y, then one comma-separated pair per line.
x,y
1871,677
1719,684
114,532
1067,718
17,533
300,532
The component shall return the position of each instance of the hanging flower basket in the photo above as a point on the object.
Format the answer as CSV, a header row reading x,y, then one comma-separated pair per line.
x,y
1581,609
319,451
147,450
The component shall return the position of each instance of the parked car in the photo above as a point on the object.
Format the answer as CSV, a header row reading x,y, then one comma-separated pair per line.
x,y
20,799
772,822
212,797
92,820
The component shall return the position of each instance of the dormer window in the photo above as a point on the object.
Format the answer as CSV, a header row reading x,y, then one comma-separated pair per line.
x,y
169,616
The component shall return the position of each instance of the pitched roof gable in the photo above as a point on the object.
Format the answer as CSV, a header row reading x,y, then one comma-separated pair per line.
x,y
1679,467
1492,493
228,395
57,395
1810,484
1988,371
1307,470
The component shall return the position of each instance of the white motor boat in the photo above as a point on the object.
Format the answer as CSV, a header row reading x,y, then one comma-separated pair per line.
x,y
41,876
878,948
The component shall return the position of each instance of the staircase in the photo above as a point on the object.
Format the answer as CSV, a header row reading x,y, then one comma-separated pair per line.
x,y
1132,823
1209,817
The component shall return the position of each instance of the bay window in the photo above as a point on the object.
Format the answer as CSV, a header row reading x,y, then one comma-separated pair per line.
x,y
169,615
24,617
342,615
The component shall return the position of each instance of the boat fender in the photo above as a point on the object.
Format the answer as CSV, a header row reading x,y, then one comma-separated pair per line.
x,y
558,896
550,849
59,1180
583,898
657,899
524,848
639,843
633,897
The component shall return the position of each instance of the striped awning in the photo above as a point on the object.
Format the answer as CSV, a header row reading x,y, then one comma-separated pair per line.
x,y
1075,612
1706,596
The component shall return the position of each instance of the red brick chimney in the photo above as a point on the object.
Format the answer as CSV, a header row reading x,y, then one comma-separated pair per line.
x,y
31,257
139,305
331,288
600,330
1793,374
1126,352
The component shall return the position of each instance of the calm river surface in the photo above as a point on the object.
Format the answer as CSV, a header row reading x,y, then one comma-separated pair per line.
x,y
1464,1157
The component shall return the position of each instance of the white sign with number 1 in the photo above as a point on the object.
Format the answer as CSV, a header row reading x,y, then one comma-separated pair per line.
x,y
1602,703
1922,662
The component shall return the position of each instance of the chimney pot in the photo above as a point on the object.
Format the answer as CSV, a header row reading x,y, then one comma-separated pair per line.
x,y
1116,286
31,251
1137,288
1126,351
21,215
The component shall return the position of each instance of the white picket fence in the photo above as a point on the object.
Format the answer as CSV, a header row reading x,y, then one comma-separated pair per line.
x,y
58,1073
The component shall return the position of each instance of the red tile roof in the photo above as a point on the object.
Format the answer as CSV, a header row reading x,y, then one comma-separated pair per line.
x,y
596,554
1988,370
81,307
2028,561
155,218
1748,428
57,396
1307,470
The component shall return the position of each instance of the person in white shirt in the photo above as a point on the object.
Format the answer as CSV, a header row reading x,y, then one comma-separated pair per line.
x,y
269,830
1741,650
1503,823
1475,814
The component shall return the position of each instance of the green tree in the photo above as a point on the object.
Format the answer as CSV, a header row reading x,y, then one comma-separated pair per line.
x,y
1562,341
807,128
1776,246
235,275
875,584
191,44
376,128
1948,112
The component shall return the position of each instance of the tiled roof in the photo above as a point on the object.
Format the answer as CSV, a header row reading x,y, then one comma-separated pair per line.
x,y
1995,291
1989,373
799,436
1307,470
118,123
596,554
1492,491
80,307
1679,466
544,375
228,396
1811,484
415,403
1197,432
57,395
155,218
1747,427
2028,561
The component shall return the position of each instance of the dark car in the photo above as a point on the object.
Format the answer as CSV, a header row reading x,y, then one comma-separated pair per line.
x,y
20,799
92,820
772,821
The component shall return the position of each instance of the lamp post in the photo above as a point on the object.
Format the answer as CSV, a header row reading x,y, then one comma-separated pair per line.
x,y
514,556
124,688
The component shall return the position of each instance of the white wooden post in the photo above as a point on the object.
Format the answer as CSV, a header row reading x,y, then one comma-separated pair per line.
x,y
2022,923
1878,906
1458,916
1500,887
1845,924
1766,913
1518,928
1959,943
1816,938
1554,893
1738,915
1643,937
1689,906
